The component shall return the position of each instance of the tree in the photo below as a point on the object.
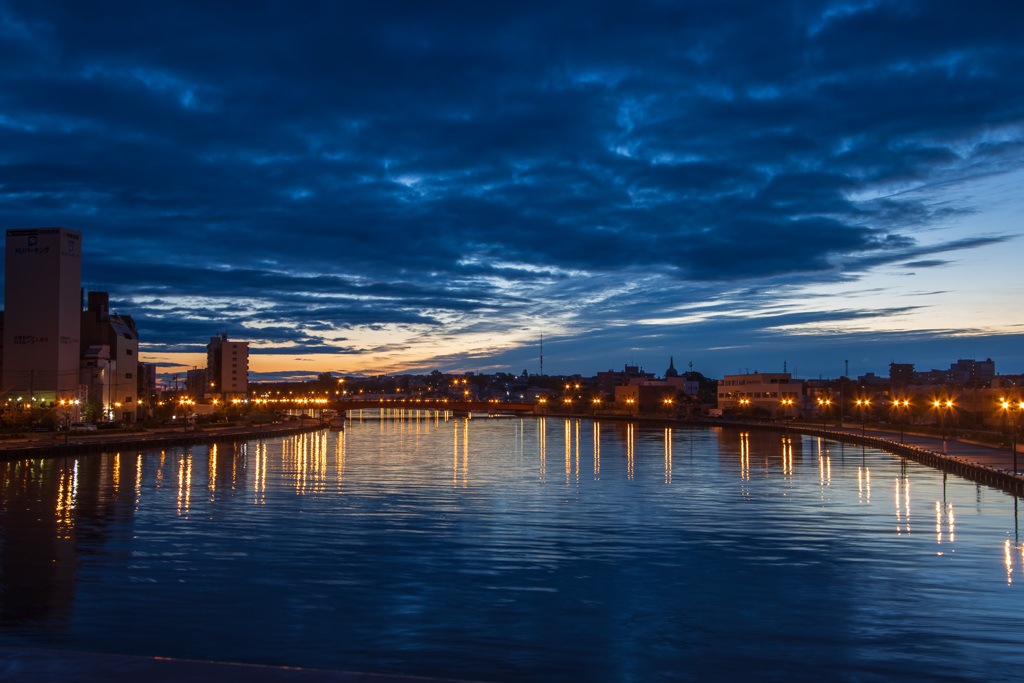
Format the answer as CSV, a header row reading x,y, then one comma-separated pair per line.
x,y
92,411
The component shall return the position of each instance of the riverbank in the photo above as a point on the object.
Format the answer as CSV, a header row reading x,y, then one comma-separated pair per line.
x,y
47,446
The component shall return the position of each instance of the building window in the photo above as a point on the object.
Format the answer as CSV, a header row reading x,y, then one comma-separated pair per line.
x,y
128,352
127,375
127,399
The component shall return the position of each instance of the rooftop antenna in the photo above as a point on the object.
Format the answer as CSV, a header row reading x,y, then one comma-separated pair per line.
x,y
847,369
783,366
541,354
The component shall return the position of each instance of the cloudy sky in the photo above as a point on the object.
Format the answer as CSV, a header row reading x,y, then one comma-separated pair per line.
x,y
386,187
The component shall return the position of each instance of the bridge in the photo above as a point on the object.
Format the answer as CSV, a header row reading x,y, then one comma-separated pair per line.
x,y
438,404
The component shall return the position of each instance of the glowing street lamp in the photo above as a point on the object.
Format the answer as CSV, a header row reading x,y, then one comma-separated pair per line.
x,y
897,405
67,405
823,405
942,407
744,405
864,405
1008,407
787,403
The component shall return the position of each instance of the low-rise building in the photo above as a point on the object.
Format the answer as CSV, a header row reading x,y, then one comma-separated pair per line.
x,y
775,392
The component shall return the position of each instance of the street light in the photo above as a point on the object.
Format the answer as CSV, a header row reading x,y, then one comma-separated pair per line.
x,y
864,405
744,404
823,405
787,403
941,406
897,405
1009,407
67,406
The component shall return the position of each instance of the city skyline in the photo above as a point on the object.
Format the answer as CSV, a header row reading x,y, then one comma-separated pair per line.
x,y
379,189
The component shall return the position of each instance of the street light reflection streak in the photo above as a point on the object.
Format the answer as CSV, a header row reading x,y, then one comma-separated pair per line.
x,y
1008,558
184,483
905,504
340,458
577,452
568,450
260,480
744,456
211,472
668,455
542,445
465,451
597,449
66,496
629,450
138,479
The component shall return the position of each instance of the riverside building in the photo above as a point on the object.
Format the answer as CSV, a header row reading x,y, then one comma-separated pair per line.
x,y
41,327
227,368
54,353
775,392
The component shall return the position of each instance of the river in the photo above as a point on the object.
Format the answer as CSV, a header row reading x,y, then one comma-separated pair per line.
x,y
506,549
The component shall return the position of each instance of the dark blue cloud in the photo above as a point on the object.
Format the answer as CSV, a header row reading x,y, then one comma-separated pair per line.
x,y
294,174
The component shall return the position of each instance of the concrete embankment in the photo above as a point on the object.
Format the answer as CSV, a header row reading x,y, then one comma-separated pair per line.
x,y
149,441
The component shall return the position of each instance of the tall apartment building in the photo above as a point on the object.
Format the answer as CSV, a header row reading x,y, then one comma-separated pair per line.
x,y
42,310
227,368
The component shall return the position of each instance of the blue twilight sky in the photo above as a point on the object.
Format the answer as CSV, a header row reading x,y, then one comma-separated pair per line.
x,y
404,186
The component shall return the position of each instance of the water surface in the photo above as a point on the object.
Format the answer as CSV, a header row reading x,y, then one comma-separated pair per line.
x,y
504,549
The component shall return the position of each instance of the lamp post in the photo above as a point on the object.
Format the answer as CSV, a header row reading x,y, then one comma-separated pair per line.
x,y
744,404
864,405
1009,407
823,405
787,403
67,406
185,402
904,404
943,407
630,402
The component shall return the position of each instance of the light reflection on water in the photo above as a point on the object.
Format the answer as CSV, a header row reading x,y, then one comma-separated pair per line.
x,y
438,546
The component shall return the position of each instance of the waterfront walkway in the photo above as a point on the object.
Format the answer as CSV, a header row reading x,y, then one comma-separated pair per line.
x,y
51,444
